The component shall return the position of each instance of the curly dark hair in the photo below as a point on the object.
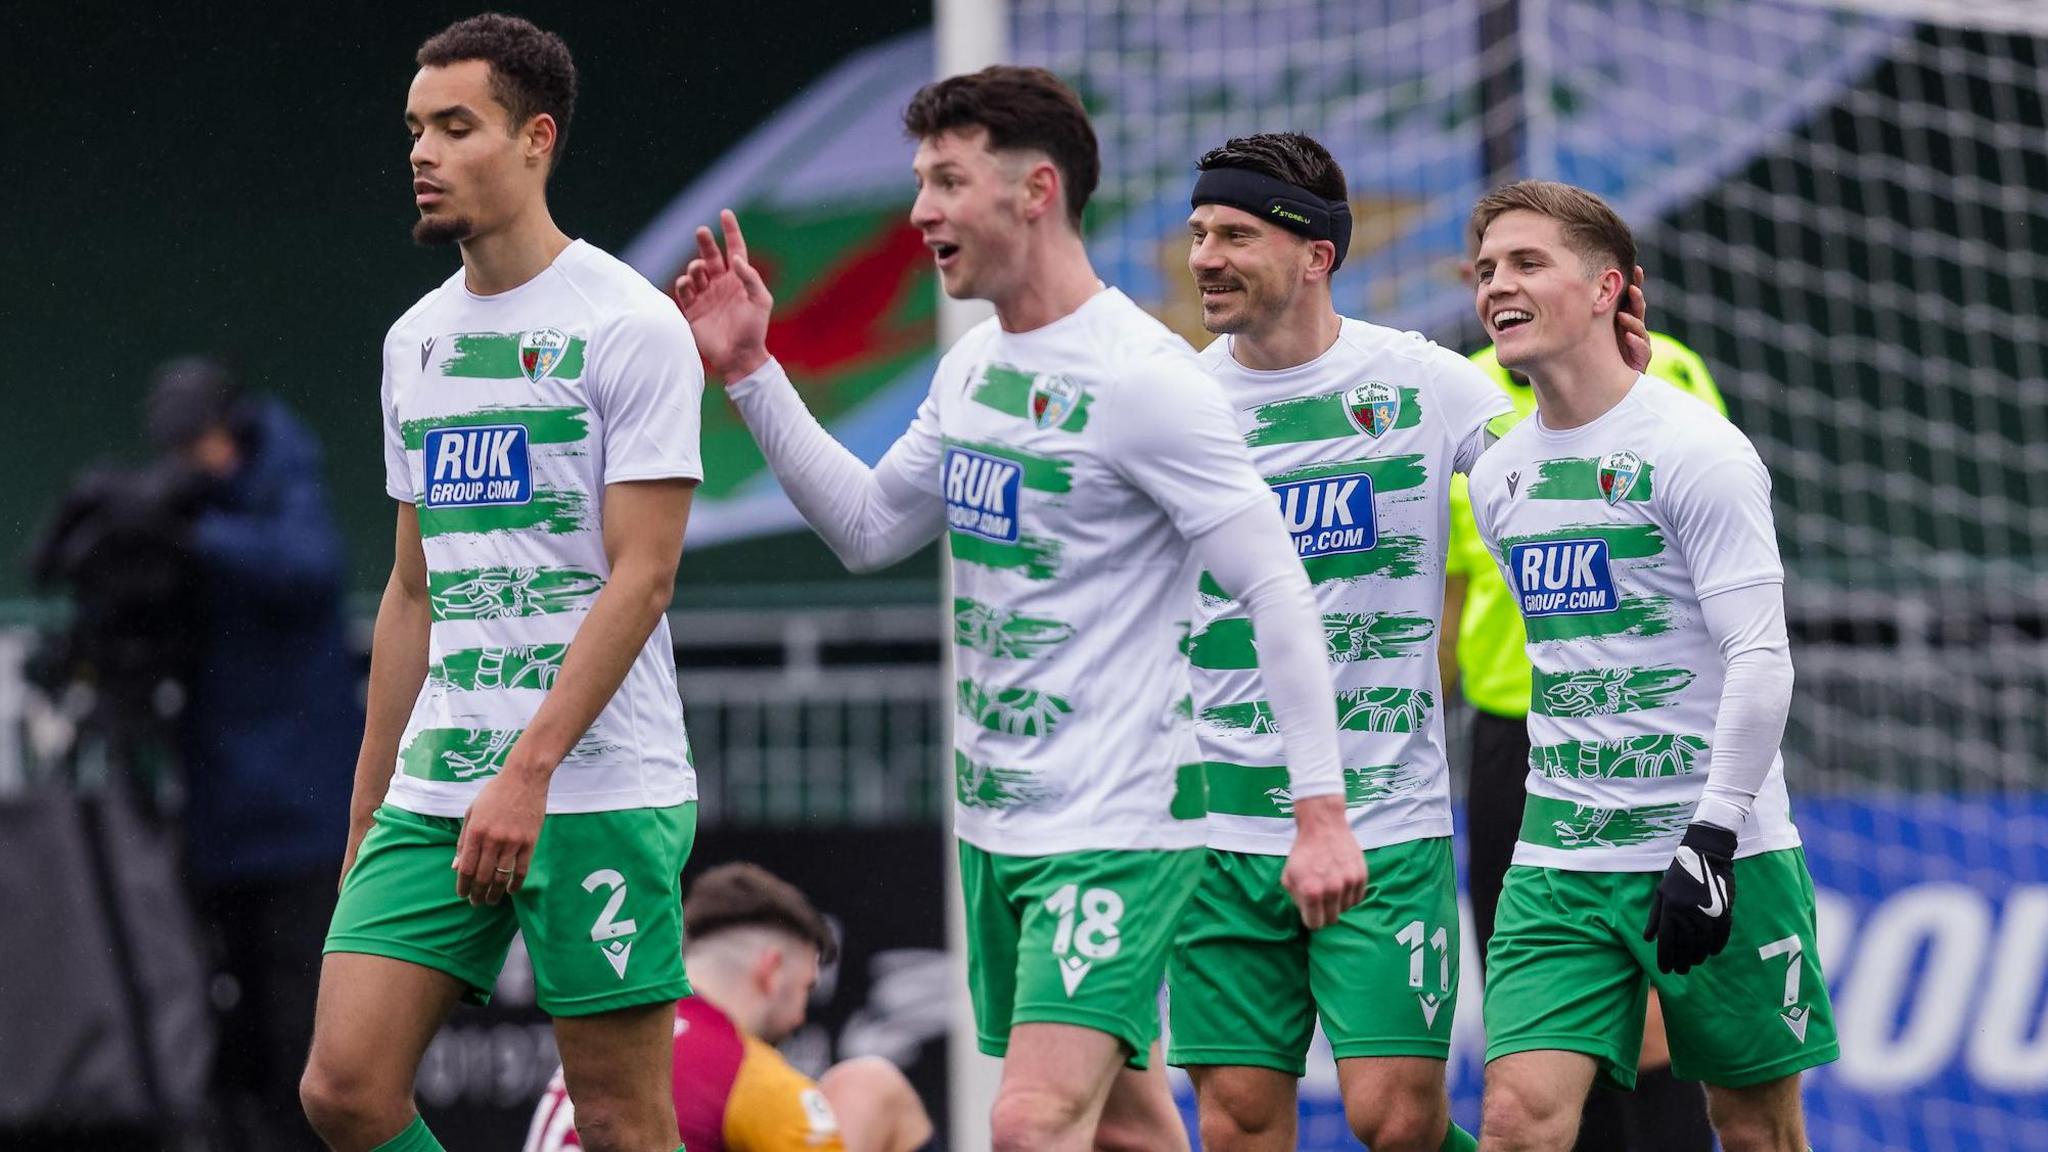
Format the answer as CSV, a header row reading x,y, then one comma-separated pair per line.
x,y
1022,108
1291,156
531,70
743,895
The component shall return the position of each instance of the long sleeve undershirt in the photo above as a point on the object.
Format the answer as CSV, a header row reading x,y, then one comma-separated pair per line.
x,y
1748,624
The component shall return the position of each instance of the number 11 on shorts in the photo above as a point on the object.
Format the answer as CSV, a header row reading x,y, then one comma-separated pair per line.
x,y
1419,939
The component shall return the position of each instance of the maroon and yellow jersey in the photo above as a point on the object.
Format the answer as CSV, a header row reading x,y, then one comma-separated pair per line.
x,y
733,1093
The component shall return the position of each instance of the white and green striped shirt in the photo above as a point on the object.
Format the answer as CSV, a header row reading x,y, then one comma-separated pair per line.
x,y
504,419
1609,535
1358,446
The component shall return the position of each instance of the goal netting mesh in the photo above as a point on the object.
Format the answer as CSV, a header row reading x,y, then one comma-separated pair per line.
x,y
1844,208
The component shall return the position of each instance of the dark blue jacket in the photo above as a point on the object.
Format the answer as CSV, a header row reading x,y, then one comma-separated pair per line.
x,y
273,721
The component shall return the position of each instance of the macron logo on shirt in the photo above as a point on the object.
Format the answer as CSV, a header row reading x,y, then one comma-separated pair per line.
x,y
482,465
1562,577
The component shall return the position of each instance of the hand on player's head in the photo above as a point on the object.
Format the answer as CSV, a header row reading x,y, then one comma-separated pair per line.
x,y
1631,327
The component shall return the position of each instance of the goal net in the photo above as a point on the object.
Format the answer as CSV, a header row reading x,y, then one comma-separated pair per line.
x,y
1843,207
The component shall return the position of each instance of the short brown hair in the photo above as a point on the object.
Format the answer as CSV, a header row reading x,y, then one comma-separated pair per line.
x,y
749,896
531,70
1592,229
1022,108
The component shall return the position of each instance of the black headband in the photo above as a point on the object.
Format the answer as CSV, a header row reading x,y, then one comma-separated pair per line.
x,y
1294,208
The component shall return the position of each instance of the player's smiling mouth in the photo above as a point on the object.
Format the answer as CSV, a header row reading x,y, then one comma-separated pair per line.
x,y
1510,318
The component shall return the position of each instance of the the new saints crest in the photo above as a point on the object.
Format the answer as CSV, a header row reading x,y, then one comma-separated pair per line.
x,y
540,349
1373,407
1052,400
1618,472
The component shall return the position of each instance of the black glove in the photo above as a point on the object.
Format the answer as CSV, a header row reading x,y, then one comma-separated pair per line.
x,y
1693,906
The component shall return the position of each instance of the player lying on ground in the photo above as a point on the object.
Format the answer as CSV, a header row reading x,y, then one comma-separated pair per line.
x,y
1082,463
1633,524
523,765
1358,429
753,945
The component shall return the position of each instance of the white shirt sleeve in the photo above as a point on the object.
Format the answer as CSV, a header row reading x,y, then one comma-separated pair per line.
x,y
1171,434
1748,624
870,518
1471,403
1719,510
1252,557
398,479
647,386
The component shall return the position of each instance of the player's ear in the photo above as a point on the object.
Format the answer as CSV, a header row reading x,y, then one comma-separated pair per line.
x,y
1042,190
538,138
1322,259
1608,291
766,967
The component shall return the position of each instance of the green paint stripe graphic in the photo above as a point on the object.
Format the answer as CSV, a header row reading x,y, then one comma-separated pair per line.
x,y
495,668
1551,823
544,425
1624,541
1631,758
457,754
1380,709
1039,473
505,593
1389,473
1012,711
1004,634
1579,479
1319,418
1634,616
1262,790
1606,691
495,356
1228,644
1394,558
464,754
550,511
978,785
1008,390
1033,557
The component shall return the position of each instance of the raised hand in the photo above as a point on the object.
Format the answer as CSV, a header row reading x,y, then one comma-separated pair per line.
x,y
726,302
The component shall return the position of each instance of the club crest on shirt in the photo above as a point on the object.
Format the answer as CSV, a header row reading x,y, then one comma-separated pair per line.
x,y
1373,407
1052,400
1618,472
540,349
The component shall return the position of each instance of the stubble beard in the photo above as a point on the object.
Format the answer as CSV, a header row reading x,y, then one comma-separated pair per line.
x,y
441,231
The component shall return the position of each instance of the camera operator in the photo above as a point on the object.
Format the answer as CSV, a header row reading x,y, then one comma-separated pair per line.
x,y
267,735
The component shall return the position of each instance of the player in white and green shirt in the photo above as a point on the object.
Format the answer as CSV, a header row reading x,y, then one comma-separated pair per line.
x,y
1633,524
1358,429
524,767
1083,467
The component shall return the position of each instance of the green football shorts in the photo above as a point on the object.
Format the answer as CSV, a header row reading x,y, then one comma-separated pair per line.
x,y
1568,970
601,908
1247,980
1072,938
